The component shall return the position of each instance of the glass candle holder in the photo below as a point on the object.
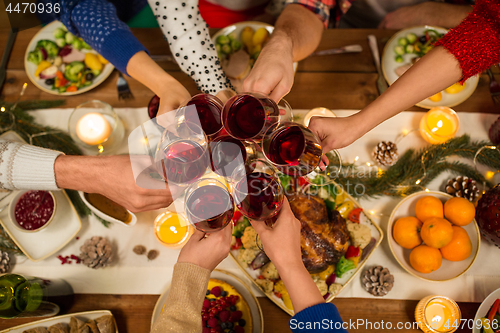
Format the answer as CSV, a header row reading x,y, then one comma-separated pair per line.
x,y
438,314
96,127
439,125
172,230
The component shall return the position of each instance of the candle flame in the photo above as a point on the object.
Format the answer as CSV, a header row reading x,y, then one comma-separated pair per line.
x,y
101,149
173,229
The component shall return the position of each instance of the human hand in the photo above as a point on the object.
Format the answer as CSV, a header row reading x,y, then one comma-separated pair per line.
x,y
336,132
272,73
409,16
113,177
207,251
281,242
171,99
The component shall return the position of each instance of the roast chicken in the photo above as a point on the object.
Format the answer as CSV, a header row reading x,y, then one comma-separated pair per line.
x,y
323,239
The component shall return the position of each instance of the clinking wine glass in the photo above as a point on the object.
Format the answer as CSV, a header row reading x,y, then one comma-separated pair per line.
x,y
209,205
249,115
203,110
182,156
228,153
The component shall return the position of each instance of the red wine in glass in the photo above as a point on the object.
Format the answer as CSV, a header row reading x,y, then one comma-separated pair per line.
x,y
259,196
183,162
204,110
209,208
153,106
248,116
293,149
227,153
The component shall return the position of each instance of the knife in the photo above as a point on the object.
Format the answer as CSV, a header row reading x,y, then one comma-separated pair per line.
x,y
344,49
6,55
381,83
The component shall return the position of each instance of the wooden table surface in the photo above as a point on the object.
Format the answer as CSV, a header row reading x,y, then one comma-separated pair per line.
x,y
346,81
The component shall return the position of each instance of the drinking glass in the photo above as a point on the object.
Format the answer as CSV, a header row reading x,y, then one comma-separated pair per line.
x,y
258,193
209,205
182,155
203,110
227,153
249,115
292,148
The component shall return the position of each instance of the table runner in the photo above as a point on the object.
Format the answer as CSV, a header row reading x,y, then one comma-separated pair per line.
x,y
133,274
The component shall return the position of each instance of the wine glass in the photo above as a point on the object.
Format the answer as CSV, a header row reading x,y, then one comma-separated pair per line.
x,y
258,193
182,155
227,153
204,110
209,205
249,115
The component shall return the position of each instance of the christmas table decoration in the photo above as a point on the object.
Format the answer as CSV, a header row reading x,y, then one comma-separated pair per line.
x,y
463,187
487,215
96,252
377,280
386,153
4,262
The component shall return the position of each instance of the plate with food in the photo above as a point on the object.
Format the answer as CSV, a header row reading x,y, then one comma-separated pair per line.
x,y
434,236
39,222
101,321
241,308
330,218
58,62
405,48
238,47
487,319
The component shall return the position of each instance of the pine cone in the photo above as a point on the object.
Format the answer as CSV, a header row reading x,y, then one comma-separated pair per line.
x,y
4,262
463,187
386,153
96,252
377,280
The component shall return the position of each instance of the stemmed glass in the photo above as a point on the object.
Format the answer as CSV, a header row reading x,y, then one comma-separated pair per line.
x,y
249,115
182,155
228,153
203,110
209,205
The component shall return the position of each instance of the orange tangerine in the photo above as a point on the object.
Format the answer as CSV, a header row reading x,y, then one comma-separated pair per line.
x,y
459,211
425,259
406,232
428,207
436,232
460,247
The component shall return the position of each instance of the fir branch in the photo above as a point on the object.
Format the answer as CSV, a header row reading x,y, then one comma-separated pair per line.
x,y
6,243
104,222
80,207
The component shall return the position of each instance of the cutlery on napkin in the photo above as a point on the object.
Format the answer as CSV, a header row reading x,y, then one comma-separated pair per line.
x,y
381,83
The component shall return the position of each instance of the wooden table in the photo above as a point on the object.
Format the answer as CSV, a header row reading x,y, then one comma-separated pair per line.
x,y
338,82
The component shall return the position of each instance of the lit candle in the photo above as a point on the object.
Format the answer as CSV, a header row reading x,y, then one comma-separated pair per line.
x,y
438,314
439,124
318,112
93,129
172,230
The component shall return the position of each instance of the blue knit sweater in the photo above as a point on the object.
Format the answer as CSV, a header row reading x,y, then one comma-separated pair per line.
x,y
322,317
97,23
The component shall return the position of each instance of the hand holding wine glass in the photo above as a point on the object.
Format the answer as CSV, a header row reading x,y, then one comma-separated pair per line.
x,y
206,251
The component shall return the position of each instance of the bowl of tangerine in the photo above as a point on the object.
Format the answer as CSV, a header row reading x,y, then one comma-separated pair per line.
x,y
434,236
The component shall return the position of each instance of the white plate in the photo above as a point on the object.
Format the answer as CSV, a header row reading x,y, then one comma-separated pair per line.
x,y
236,28
347,277
46,33
484,308
60,231
449,270
240,286
389,66
85,316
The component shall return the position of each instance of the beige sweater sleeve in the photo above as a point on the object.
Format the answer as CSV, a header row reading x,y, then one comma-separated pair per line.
x,y
26,167
182,311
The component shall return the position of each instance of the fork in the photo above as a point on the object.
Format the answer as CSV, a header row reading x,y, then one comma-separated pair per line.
x,y
494,88
123,88
381,83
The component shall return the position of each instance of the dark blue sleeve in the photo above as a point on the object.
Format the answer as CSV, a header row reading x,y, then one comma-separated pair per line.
x,y
97,23
323,317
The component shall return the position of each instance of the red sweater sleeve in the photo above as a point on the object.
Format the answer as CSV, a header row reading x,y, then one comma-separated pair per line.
x,y
475,43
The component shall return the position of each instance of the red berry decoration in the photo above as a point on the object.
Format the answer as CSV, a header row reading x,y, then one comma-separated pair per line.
x,y
488,215
206,330
204,317
216,291
224,315
206,304
239,329
235,316
212,322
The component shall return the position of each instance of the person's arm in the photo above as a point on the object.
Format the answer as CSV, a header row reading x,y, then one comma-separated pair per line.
x,y
198,258
438,14
297,34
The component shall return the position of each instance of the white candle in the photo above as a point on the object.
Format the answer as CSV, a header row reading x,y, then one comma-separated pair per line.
x,y
321,112
93,129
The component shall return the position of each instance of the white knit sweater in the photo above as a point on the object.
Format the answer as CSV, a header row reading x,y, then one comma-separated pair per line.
x,y
25,167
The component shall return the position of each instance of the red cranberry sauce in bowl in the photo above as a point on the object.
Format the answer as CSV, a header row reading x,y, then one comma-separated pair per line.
x,y
34,209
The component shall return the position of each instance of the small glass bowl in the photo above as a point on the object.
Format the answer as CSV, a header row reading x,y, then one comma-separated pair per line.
x,y
433,133
425,324
160,222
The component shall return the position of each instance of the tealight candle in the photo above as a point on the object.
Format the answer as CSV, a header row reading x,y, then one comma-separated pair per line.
x,y
93,129
438,314
172,230
318,112
439,124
